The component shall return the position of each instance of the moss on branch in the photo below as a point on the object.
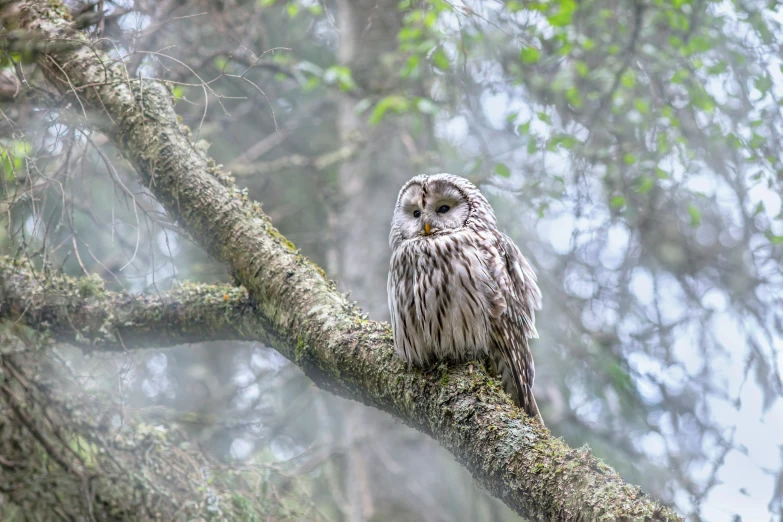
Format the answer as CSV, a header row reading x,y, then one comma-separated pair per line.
x,y
515,459
63,458
81,312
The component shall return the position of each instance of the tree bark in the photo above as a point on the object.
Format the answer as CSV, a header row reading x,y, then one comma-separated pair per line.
x,y
63,456
514,458
82,313
368,40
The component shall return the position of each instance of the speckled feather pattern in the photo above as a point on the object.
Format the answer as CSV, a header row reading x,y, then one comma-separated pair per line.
x,y
463,290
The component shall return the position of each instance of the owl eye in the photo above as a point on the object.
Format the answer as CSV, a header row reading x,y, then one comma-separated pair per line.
x,y
416,213
443,209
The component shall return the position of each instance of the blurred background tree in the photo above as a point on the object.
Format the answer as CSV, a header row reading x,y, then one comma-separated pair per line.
x,y
631,148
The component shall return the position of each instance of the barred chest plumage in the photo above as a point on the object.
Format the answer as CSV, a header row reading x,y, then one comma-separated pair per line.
x,y
444,288
458,287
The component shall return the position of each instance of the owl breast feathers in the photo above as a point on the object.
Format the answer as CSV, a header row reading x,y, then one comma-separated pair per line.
x,y
458,287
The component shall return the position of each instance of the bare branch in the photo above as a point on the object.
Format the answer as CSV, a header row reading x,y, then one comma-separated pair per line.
x,y
296,161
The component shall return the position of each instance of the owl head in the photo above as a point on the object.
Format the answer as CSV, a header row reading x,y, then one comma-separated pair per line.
x,y
433,205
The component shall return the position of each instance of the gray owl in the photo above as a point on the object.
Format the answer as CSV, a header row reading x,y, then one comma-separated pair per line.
x,y
458,287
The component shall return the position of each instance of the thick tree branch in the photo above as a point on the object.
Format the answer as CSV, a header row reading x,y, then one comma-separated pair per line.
x,y
65,457
81,312
517,460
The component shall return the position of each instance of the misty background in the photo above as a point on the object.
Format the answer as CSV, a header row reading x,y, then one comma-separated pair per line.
x,y
632,149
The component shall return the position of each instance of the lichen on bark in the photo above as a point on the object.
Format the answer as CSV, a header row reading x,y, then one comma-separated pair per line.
x,y
514,458
63,457
81,312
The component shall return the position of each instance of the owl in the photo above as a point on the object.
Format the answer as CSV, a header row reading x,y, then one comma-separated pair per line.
x,y
459,288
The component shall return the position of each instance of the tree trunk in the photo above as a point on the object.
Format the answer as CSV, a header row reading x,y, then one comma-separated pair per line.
x,y
368,43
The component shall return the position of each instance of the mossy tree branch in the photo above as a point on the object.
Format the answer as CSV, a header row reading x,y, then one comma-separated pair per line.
x,y
81,312
64,457
515,459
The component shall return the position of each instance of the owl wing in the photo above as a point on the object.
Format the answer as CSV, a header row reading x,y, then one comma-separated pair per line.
x,y
511,329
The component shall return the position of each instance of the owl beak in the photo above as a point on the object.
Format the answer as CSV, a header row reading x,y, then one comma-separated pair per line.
x,y
427,228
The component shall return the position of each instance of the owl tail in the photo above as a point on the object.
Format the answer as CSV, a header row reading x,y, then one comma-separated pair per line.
x,y
514,383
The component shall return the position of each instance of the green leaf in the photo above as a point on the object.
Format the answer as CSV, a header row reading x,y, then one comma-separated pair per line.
x,y
718,68
12,157
699,44
544,117
220,62
629,159
566,49
440,60
502,170
411,69
514,6
695,214
564,140
341,76
564,15
408,34
703,101
425,46
663,143
641,105
617,201
628,79
573,97
397,104
529,55
311,84
680,76
645,184
757,141
662,174
764,84
622,380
